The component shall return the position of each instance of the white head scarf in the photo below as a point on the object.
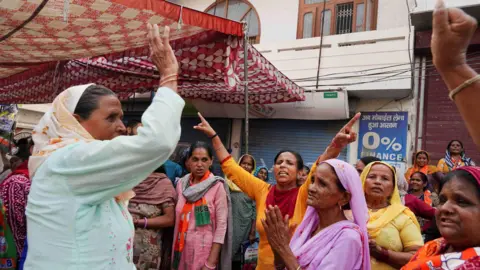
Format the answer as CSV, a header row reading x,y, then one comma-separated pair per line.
x,y
58,127
402,186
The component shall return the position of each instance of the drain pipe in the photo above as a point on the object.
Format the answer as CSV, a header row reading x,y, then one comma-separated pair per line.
x,y
421,104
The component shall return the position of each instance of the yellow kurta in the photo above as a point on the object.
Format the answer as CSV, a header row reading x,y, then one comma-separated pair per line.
x,y
258,190
399,234
394,227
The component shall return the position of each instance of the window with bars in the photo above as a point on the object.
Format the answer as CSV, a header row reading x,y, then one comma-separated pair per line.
x,y
344,18
335,17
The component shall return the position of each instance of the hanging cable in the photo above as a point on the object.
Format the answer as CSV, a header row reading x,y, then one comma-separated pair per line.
x,y
321,41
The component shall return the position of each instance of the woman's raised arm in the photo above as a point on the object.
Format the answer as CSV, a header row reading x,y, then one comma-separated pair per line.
x,y
344,137
453,30
248,183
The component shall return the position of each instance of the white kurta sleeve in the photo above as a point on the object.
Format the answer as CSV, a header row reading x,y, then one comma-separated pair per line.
x,y
100,170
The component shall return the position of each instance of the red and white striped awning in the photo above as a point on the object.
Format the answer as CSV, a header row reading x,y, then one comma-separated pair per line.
x,y
47,46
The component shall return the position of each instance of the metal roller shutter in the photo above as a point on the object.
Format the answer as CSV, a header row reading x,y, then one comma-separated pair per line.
x,y
309,138
442,121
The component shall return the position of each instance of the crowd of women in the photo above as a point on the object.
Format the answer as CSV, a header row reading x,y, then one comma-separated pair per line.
x,y
90,198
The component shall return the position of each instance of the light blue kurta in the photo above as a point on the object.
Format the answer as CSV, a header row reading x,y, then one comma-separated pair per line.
x,y
73,220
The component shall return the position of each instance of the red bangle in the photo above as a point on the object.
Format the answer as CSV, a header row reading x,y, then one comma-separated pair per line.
x,y
225,160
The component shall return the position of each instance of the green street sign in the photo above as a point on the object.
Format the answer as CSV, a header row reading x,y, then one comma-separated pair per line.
x,y
330,95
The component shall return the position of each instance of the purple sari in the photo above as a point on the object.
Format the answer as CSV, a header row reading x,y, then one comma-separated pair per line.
x,y
345,241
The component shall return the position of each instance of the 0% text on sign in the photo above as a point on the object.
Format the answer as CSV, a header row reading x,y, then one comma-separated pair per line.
x,y
371,140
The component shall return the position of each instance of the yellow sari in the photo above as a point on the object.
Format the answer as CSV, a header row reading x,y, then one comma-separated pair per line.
x,y
394,227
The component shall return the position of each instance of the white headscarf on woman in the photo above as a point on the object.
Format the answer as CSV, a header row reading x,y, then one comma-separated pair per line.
x,y
59,128
402,186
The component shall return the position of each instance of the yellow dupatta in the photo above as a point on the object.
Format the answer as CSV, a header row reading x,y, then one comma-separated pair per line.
x,y
378,220
233,186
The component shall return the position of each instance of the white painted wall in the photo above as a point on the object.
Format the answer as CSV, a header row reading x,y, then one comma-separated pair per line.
x,y
393,13
430,4
352,60
278,18
315,107
375,49
406,105
30,114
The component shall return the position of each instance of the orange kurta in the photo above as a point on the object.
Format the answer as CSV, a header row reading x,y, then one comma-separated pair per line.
x,y
258,190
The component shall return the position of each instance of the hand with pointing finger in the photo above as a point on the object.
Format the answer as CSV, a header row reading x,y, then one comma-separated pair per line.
x,y
205,127
346,136
452,31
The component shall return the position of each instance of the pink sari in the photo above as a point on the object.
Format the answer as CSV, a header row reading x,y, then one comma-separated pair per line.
x,y
311,252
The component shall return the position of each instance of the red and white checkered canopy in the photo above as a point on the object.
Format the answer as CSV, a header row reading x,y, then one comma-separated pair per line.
x,y
48,46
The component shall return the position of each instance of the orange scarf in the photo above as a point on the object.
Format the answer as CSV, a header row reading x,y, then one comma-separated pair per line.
x,y
433,256
417,168
427,197
202,217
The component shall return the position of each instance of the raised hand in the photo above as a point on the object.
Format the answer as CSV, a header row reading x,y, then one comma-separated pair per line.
x,y
205,127
162,54
452,31
346,136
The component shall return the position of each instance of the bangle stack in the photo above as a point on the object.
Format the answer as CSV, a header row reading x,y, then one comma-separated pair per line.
x,y
464,85
168,78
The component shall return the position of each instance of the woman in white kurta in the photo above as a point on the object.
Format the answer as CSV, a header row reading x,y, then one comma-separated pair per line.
x,y
83,172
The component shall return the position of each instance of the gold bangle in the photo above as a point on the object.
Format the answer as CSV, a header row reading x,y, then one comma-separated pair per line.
x,y
168,77
464,85
167,81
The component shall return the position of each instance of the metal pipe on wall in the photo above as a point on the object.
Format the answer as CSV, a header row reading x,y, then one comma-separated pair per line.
x,y
422,104
245,82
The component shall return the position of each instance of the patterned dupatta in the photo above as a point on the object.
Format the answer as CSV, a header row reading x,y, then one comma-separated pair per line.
x,y
455,164
8,251
433,256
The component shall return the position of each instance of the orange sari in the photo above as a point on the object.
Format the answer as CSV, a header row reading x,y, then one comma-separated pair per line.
x,y
433,256
427,197
427,169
